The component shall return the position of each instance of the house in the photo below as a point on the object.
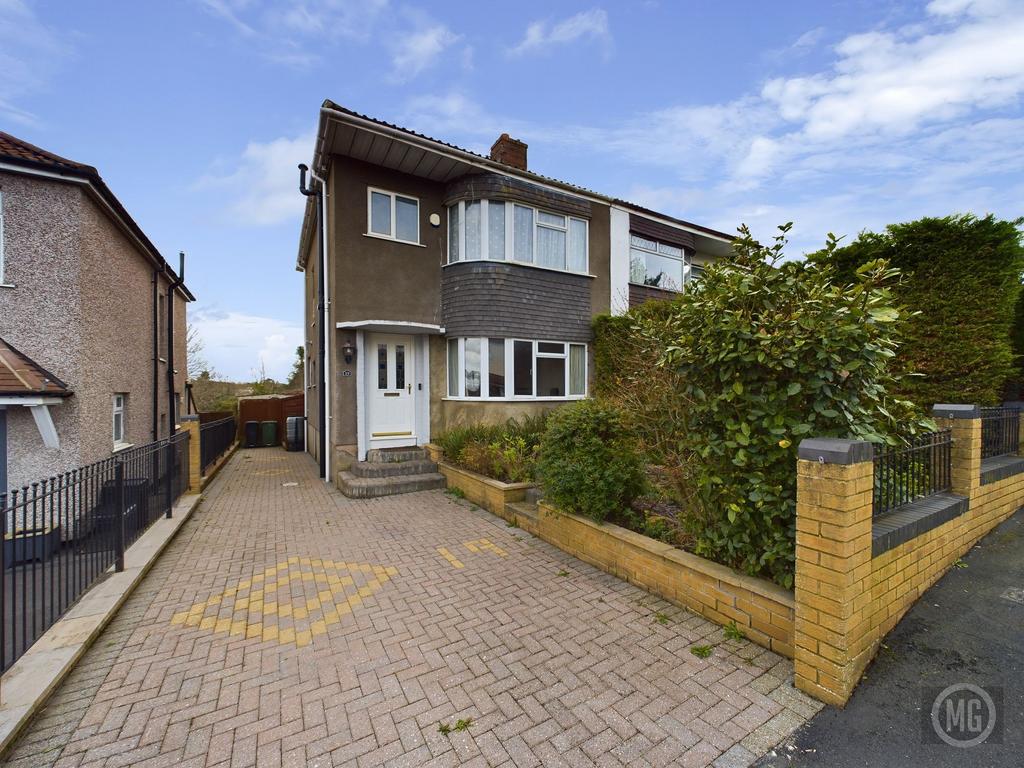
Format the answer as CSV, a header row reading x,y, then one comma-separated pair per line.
x,y
456,287
92,321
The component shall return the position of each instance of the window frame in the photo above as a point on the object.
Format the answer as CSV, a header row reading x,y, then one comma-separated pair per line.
x,y
509,355
119,409
509,226
393,236
686,259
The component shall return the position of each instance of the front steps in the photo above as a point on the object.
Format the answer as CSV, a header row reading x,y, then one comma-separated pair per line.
x,y
388,472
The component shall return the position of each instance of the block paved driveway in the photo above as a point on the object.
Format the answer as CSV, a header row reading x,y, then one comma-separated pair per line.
x,y
288,625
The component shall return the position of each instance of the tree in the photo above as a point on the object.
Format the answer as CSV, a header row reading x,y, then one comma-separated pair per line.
x,y
961,283
297,378
197,363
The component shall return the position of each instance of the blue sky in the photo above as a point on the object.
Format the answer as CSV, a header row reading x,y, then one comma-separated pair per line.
x,y
839,116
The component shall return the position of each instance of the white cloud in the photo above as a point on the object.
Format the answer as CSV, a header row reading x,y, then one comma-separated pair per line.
x,y
416,49
586,25
263,185
236,343
284,32
30,53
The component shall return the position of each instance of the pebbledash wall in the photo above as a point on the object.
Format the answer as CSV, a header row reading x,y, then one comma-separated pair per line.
x,y
79,301
851,587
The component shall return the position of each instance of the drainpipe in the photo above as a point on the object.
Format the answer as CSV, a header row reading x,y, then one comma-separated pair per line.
x,y
171,288
322,308
156,354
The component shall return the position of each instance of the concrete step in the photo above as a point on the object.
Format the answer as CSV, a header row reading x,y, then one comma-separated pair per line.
x,y
524,509
392,468
373,487
390,455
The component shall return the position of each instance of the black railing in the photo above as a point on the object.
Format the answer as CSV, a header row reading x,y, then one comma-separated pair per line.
x,y
922,467
1000,432
60,535
214,439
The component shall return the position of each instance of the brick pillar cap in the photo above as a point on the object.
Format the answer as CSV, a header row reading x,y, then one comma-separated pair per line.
x,y
955,411
833,450
188,418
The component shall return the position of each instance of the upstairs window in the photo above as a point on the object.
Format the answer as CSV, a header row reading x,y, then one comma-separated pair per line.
x,y
394,216
658,265
493,230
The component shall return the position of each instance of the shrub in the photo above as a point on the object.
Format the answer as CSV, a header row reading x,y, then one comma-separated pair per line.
x,y
588,465
768,352
505,452
961,282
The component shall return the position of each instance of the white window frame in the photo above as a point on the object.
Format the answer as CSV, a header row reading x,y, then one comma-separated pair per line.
x,y
118,408
510,206
686,260
394,218
485,383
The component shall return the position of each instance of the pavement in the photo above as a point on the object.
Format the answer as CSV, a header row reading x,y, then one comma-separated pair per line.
x,y
968,628
289,626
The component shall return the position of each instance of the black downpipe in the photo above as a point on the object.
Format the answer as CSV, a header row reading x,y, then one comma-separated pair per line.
x,y
156,354
321,331
175,284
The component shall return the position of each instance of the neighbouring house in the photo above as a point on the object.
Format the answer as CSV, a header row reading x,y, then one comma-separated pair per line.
x,y
456,287
92,321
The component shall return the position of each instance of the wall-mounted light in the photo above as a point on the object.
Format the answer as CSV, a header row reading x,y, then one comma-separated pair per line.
x,y
349,352
435,220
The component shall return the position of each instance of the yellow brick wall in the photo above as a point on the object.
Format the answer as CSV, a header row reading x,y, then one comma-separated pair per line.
x,y
762,610
847,601
490,494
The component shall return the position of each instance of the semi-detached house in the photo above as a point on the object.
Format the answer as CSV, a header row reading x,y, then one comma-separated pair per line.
x,y
456,287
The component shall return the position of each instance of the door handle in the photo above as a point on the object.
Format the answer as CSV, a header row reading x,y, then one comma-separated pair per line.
x,y
410,388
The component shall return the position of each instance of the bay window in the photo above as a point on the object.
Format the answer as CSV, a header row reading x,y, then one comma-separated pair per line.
x,y
537,369
498,231
659,265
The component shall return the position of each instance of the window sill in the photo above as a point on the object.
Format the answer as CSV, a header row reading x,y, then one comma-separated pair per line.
x,y
565,399
393,240
7,285
519,264
657,288
119,447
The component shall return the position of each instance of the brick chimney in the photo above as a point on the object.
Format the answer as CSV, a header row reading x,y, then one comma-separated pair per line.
x,y
509,151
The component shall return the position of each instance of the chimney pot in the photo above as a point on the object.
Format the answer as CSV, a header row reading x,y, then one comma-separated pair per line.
x,y
509,151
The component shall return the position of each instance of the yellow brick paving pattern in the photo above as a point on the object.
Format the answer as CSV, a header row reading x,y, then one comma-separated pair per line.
x,y
288,626
263,606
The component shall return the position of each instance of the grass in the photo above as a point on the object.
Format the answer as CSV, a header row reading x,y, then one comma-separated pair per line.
x,y
661,617
455,493
701,651
732,632
960,564
462,724
563,573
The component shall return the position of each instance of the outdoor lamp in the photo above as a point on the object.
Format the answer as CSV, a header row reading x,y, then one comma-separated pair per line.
x,y
349,351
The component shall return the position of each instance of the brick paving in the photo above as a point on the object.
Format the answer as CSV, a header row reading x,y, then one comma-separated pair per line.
x,y
289,626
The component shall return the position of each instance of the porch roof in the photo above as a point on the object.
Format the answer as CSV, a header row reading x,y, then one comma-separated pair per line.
x,y
20,376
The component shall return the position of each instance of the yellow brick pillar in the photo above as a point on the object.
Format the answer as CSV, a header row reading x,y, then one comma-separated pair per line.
x,y
190,424
964,421
833,566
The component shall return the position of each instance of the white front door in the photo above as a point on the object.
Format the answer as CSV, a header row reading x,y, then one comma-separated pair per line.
x,y
391,390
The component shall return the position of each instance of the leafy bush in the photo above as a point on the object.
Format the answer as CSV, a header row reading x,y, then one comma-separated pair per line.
x,y
588,463
961,281
505,452
768,352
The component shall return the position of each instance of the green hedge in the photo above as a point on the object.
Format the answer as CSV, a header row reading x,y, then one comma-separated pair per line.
x,y
961,283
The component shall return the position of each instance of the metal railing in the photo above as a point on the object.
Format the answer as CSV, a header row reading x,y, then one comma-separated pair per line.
x,y
1000,432
61,534
922,467
214,439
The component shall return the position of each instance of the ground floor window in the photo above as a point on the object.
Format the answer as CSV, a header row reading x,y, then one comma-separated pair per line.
x,y
120,426
506,369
